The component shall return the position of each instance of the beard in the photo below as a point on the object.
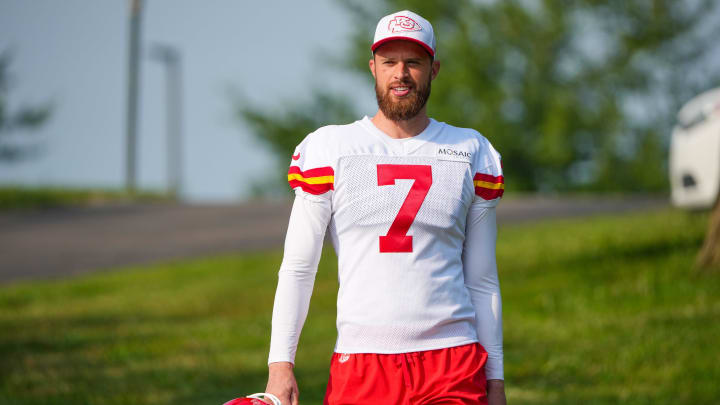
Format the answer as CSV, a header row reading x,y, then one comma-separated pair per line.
x,y
406,107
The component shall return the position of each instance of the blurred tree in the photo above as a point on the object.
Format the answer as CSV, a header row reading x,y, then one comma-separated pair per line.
x,y
283,130
576,95
26,118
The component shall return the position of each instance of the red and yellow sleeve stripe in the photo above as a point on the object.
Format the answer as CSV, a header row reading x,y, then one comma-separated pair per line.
x,y
489,187
314,181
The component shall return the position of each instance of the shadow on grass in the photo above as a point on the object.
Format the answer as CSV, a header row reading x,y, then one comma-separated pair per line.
x,y
216,388
66,333
187,386
639,250
136,359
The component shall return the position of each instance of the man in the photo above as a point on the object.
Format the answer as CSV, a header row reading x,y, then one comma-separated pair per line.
x,y
410,206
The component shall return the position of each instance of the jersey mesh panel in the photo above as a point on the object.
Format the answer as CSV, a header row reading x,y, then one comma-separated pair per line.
x,y
406,312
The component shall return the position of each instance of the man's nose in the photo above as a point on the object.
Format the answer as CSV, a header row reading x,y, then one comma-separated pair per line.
x,y
401,70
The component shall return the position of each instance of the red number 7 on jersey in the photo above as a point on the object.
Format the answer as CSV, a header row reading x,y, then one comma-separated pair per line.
x,y
397,239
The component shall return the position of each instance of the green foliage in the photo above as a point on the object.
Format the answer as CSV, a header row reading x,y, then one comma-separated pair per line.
x,y
284,131
24,120
281,130
576,95
599,310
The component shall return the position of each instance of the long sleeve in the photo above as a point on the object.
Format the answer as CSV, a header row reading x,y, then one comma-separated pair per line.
x,y
481,280
303,245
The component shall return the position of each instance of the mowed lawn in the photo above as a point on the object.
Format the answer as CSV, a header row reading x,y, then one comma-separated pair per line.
x,y
604,310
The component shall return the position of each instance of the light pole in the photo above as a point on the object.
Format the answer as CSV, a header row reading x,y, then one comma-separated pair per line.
x,y
170,57
132,96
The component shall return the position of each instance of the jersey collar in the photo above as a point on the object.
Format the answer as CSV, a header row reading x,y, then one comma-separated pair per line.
x,y
404,146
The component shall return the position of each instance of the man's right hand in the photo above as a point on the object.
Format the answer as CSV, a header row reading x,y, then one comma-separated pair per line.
x,y
282,384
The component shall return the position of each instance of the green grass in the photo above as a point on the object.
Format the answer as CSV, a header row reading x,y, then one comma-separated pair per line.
x,y
15,198
597,311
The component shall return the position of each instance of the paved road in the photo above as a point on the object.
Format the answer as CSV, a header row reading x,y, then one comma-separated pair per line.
x,y
62,242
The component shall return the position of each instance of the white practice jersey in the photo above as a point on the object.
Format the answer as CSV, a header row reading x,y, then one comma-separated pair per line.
x,y
398,224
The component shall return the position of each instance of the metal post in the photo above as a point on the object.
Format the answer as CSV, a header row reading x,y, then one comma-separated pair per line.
x,y
170,57
132,96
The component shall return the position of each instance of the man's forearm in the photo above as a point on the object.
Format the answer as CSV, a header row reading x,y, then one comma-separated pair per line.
x,y
303,245
481,280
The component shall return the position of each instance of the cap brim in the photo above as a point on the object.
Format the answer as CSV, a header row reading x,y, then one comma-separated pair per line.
x,y
377,44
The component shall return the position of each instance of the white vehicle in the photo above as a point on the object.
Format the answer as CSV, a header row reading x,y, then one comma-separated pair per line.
x,y
695,153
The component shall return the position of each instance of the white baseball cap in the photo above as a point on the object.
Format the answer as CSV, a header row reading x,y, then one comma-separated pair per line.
x,y
405,25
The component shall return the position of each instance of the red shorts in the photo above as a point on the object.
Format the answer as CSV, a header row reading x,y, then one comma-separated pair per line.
x,y
455,375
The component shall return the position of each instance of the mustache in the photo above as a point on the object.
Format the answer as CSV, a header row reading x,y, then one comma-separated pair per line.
x,y
398,83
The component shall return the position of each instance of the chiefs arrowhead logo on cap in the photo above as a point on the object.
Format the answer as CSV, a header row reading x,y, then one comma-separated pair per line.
x,y
403,24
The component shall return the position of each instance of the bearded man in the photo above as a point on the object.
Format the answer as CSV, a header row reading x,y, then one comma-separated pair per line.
x,y
409,203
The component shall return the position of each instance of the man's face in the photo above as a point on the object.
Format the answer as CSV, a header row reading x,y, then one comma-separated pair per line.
x,y
403,72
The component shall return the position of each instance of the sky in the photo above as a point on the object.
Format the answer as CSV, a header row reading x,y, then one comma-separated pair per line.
x,y
73,54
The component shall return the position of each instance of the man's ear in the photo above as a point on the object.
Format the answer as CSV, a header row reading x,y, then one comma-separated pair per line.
x,y
372,66
435,69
